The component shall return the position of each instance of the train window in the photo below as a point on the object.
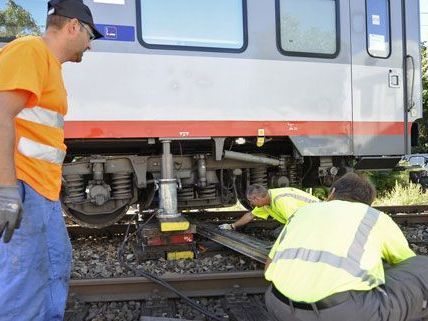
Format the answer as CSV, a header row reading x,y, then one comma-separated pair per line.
x,y
378,28
207,25
21,17
308,27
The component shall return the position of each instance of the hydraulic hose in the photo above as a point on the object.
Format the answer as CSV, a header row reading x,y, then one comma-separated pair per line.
x,y
151,277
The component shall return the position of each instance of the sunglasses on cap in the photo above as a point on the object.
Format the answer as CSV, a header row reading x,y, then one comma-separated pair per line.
x,y
88,30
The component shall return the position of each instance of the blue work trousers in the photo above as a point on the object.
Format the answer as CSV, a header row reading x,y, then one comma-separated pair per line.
x,y
35,265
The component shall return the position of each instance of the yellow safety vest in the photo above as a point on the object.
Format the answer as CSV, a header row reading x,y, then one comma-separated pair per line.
x,y
284,202
333,247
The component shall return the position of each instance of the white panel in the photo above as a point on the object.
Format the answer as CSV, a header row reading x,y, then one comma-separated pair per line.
x,y
111,1
110,86
374,100
424,33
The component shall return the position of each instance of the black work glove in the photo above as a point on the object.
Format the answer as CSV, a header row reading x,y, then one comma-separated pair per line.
x,y
10,211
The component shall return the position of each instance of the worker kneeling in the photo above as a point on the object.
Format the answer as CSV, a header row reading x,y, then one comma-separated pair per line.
x,y
327,263
278,203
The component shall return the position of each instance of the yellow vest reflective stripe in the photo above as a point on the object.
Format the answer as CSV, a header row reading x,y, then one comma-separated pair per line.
x,y
295,201
297,197
42,116
351,263
37,150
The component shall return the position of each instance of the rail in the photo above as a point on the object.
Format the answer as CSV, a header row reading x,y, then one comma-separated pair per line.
x,y
192,285
244,244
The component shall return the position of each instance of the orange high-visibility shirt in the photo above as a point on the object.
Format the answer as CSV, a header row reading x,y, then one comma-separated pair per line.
x,y
27,64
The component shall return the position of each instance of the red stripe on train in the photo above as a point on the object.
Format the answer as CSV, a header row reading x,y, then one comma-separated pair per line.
x,y
135,129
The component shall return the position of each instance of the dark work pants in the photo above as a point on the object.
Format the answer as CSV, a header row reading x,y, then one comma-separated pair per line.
x,y
402,298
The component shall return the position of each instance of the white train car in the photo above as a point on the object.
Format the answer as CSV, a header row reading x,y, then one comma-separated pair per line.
x,y
184,103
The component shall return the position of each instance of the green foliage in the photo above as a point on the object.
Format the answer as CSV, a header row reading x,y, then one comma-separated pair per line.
x,y
385,181
321,192
15,21
403,195
423,123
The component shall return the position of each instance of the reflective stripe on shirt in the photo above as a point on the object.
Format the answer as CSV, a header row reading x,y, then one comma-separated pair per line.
x,y
42,116
351,263
30,148
297,197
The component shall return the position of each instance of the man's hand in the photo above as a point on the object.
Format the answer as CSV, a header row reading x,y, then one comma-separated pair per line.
x,y
226,227
10,211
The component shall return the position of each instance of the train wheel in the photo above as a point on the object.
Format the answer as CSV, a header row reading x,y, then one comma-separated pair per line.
x,y
97,220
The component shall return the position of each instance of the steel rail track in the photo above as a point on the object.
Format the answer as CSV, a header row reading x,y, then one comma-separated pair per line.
x,y
77,230
247,245
192,285
395,209
244,244
401,215
410,218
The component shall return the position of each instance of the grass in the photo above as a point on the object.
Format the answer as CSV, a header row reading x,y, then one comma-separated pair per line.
x,y
408,194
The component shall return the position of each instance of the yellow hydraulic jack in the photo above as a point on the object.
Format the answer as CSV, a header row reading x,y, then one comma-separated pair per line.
x,y
170,219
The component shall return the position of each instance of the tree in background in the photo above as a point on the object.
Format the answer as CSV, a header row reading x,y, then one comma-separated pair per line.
x,y
15,21
423,123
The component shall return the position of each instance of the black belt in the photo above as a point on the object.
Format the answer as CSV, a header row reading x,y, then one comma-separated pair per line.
x,y
325,303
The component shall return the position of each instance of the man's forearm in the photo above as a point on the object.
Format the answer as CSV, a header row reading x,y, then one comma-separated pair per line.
x,y
11,103
7,150
247,218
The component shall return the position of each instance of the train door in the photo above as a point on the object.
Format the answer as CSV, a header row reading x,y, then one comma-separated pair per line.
x,y
379,82
413,65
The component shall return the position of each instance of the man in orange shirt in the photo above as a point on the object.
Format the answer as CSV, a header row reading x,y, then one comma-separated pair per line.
x,y
36,262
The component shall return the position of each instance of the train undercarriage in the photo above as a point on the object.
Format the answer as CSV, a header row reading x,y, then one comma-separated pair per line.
x,y
176,175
